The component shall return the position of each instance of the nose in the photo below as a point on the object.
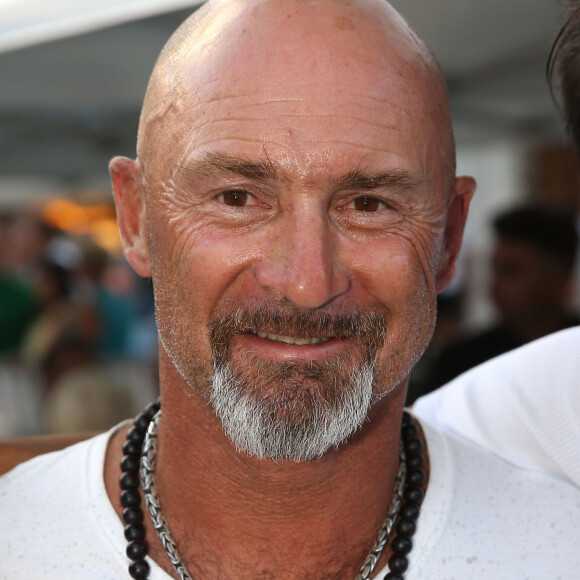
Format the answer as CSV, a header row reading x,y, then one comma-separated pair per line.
x,y
302,264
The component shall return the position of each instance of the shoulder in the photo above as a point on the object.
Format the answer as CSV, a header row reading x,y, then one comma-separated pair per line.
x,y
37,467
483,517
552,357
523,405
57,519
17,450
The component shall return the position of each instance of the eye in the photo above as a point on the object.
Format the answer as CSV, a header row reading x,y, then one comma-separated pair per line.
x,y
367,203
235,197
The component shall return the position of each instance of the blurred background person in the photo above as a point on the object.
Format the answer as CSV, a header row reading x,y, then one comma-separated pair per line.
x,y
114,311
531,285
18,306
65,333
75,330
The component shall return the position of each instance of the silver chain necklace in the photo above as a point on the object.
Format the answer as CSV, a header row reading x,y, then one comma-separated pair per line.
x,y
149,485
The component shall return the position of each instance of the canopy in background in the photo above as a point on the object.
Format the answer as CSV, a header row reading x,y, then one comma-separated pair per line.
x,y
28,22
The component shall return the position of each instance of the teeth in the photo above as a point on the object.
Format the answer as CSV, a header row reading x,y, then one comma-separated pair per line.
x,y
291,339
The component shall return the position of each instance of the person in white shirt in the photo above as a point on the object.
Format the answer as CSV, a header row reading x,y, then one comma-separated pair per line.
x,y
523,405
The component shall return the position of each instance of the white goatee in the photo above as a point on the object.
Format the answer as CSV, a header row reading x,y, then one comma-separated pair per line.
x,y
278,434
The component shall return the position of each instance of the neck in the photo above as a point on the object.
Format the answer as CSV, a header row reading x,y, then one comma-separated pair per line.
x,y
237,516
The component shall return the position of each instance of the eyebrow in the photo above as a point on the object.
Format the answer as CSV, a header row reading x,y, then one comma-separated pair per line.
x,y
396,179
212,162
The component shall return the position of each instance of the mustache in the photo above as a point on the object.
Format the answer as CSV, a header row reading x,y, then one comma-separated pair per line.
x,y
369,326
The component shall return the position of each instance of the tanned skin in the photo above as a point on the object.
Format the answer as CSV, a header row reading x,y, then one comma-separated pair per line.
x,y
329,121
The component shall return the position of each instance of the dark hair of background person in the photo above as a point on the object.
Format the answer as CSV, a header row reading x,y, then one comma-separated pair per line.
x,y
550,230
564,64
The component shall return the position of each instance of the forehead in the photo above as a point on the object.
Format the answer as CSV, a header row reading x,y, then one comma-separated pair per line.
x,y
305,84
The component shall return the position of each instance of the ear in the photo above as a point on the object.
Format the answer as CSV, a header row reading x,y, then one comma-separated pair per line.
x,y
126,179
460,197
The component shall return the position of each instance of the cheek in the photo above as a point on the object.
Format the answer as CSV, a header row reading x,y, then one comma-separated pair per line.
x,y
399,276
196,264
396,268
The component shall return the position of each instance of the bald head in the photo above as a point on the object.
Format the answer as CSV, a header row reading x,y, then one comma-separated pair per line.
x,y
285,48
293,154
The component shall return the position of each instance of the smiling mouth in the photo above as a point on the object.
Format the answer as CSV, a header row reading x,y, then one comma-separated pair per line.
x,y
297,340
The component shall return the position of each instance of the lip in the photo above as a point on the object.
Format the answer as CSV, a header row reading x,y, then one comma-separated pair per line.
x,y
267,348
298,341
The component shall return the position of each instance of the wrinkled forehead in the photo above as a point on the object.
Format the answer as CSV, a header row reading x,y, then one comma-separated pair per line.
x,y
298,60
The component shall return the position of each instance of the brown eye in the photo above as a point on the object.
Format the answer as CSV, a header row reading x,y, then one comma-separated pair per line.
x,y
235,198
366,204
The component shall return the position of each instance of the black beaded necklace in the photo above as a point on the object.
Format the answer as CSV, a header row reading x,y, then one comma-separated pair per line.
x,y
401,544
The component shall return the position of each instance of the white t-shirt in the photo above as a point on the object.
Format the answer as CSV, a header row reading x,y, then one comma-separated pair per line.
x,y
481,518
523,406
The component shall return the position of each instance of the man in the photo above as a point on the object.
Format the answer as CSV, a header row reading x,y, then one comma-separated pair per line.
x,y
525,405
532,284
294,201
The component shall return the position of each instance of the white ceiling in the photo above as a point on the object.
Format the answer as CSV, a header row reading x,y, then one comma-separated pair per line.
x,y
494,56
66,106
